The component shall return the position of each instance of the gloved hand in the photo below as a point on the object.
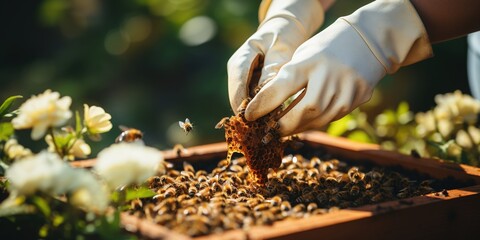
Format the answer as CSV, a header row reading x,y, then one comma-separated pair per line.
x,y
284,25
340,66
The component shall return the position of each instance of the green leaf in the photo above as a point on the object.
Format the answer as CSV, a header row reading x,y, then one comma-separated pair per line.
x,y
63,141
141,192
339,127
6,131
115,196
42,205
360,136
7,104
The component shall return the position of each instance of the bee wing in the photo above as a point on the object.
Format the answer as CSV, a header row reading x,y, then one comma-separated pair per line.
x,y
123,127
181,124
187,121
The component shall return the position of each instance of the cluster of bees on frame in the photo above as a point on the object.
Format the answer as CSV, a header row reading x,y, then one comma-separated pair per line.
x,y
196,202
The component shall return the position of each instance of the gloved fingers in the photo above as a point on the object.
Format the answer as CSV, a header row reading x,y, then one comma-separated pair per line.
x,y
240,69
280,47
275,92
326,99
272,64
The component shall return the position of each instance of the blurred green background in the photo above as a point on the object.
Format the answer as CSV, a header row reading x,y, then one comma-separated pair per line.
x,y
152,63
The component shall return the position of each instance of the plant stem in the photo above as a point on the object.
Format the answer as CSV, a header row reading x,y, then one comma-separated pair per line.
x,y
57,149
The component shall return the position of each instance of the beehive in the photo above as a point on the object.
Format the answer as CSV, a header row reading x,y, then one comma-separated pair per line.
x,y
443,214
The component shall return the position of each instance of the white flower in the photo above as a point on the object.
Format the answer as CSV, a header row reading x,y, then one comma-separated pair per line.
x,y
463,139
457,107
96,120
453,149
88,192
425,123
13,150
43,111
475,134
126,163
37,173
445,127
47,173
80,148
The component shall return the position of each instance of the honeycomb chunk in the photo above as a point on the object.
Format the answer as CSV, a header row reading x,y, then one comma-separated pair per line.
x,y
257,140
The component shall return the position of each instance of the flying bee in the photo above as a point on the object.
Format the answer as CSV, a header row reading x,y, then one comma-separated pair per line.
x,y
222,122
129,135
187,126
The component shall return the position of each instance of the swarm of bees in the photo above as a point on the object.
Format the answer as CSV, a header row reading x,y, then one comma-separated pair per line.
x,y
258,141
196,202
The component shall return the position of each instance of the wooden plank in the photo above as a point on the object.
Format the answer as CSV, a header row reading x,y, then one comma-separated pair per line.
x,y
438,216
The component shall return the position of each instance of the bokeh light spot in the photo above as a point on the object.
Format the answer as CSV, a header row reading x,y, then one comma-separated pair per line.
x,y
197,30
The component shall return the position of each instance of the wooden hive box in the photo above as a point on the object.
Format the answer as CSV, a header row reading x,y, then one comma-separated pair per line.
x,y
432,216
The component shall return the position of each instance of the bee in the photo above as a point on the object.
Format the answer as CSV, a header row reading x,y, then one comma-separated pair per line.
x,y
179,149
299,208
188,167
285,206
222,122
227,187
241,108
153,182
242,192
267,138
261,207
192,190
311,207
187,126
182,197
202,178
164,179
275,201
189,210
136,204
188,174
205,193
170,192
355,190
236,168
378,197
200,173
129,135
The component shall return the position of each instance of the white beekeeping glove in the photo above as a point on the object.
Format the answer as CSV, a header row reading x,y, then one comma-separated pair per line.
x,y
284,25
340,66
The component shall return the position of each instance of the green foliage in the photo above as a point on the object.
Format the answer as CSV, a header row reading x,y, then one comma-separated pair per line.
x,y
5,107
398,130
139,192
6,131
